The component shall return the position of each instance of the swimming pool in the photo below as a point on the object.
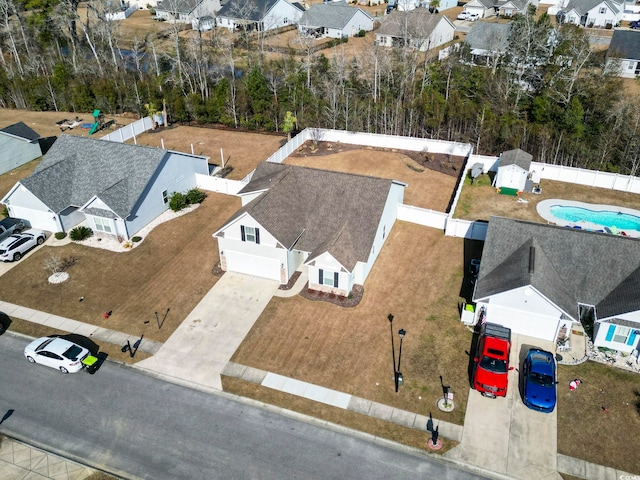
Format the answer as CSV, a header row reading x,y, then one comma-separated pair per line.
x,y
590,216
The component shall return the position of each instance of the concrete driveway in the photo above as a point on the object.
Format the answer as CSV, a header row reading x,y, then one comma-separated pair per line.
x,y
201,346
505,436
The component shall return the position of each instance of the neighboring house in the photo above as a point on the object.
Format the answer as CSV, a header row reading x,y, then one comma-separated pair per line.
x,y
536,279
260,15
334,20
331,224
484,8
417,29
513,170
116,187
204,23
509,8
593,13
186,11
623,55
19,144
488,42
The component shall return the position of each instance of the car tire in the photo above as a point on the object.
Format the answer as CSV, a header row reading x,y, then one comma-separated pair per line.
x,y
31,360
64,370
17,256
40,240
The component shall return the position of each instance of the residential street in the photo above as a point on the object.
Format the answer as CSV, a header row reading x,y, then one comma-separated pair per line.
x,y
140,427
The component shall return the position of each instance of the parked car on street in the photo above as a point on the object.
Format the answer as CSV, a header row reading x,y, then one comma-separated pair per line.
x,y
635,25
539,381
15,246
56,352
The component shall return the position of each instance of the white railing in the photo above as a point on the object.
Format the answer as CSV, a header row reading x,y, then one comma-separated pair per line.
x,y
422,216
122,14
218,184
129,131
473,230
592,178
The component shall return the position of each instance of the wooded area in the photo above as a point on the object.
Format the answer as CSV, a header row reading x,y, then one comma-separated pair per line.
x,y
550,94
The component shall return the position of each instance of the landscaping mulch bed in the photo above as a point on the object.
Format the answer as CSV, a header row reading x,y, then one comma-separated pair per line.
x,y
351,301
291,282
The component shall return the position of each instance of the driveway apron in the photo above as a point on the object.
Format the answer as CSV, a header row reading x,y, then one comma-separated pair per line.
x,y
197,352
505,436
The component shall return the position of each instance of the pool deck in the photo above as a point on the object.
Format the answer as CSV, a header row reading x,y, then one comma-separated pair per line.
x,y
544,210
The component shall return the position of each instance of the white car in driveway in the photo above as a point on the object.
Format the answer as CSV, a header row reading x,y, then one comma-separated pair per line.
x,y
56,352
15,246
463,15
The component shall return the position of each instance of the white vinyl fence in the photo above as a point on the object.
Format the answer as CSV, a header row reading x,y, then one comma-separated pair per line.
x,y
122,14
591,178
129,131
218,184
422,216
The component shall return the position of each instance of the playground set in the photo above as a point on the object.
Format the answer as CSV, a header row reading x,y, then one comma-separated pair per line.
x,y
98,124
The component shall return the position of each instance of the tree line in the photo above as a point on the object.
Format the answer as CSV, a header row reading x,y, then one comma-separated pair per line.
x,y
548,93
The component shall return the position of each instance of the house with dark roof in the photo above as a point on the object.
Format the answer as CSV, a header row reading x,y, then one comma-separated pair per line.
x,y
186,11
513,170
593,13
334,20
259,15
623,55
419,29
116,188
331,224
19,144
543,280
509,8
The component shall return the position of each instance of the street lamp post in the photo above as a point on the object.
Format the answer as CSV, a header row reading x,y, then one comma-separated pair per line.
x,y
401,334
393,352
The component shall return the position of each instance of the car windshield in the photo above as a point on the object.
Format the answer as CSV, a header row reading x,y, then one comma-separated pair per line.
x,y
541,379
493,364
72,352
44,344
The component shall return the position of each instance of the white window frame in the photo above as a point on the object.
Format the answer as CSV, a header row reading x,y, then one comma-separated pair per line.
x,y
165,196
621,332
250,237
327,280
603,10
104,225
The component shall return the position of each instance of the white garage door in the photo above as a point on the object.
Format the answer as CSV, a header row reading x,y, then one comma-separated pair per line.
x,y
37,218
531,325
253,265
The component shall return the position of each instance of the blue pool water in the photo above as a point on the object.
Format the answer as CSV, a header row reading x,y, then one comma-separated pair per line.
x,y
605,218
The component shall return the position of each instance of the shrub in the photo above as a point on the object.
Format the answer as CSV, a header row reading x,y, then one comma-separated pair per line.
x,y
4,211
60,235
136,239
80,233
178,201
361,33
195,195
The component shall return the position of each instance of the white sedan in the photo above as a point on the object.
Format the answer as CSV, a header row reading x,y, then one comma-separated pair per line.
x,y
56,352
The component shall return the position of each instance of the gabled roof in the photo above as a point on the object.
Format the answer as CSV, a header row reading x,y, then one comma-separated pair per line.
x,y
178,6
625,44
418,23
317,211
583,6
516,157
330,15
21,130
251,10
493,37
76,169
519,5
484,3
566,265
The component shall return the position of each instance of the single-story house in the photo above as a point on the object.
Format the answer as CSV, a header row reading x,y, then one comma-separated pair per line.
x,y
537,278
117,188
334,20
484,8
186,11
488,42
513,170
417,29
19,144
509,8
623,55
331,224
260,15
593,13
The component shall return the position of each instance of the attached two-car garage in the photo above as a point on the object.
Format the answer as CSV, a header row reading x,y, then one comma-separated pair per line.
x,y
253,265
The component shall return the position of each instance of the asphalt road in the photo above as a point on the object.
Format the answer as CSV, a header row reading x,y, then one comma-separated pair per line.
x,y
136,426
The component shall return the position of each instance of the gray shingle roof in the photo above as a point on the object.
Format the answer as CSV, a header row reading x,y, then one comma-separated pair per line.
x,y
516,157
583,6
418,23
21,130
570,267
625,44
178,6
493,37
329,15
318,210
253,10
77,168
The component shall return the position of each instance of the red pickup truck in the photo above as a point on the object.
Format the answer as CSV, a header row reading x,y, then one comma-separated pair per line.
x,y
492,360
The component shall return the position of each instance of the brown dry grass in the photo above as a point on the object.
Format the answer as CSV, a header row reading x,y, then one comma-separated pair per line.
x,y
350,349
426,189
170,269
585,429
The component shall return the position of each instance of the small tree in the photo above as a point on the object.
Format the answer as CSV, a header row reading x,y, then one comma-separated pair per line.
x,y
288,124
178,201
52,264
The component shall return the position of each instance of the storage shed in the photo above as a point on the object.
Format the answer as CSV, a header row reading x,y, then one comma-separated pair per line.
x,y
513,170
18,145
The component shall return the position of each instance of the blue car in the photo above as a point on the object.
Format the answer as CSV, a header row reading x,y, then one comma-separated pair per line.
x,y
540,381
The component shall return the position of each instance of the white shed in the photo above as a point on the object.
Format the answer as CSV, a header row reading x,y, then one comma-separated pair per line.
x,y
513,169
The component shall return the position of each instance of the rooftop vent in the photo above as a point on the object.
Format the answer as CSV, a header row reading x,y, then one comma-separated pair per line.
x,y
532,258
